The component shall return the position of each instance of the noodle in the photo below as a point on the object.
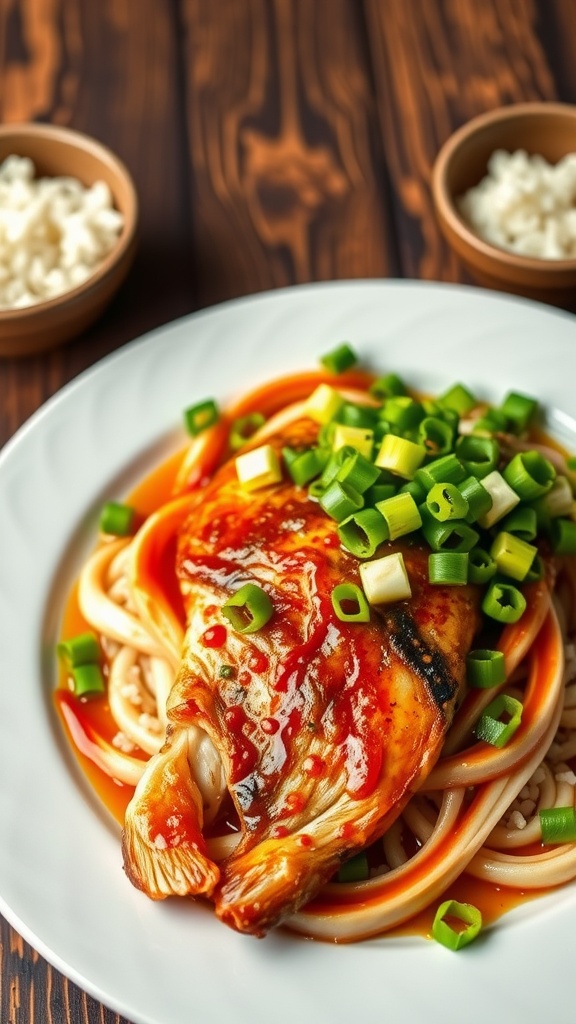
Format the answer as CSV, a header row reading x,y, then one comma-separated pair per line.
x,y
478,810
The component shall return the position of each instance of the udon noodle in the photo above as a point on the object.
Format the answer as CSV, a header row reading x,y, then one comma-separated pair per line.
x,y
477,812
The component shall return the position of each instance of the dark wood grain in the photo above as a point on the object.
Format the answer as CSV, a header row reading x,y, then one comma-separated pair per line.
x,y
272,142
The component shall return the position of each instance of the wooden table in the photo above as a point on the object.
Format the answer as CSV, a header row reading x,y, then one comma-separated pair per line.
x,y
272,142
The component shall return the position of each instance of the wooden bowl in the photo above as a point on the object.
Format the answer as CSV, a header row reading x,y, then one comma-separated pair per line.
x,y
59,151
545,128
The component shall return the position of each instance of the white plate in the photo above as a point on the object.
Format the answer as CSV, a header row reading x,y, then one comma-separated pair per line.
x,y
61,880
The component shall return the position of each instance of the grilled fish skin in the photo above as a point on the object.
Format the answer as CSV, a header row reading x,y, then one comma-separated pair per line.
x,y
319,730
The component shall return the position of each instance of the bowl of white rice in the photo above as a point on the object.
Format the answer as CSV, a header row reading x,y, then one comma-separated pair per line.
x,y
504,190
68,218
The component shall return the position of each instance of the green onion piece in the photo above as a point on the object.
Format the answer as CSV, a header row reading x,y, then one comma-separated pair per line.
x,y
316,489
79,650
512,555
326,434
362,532
458,398
401,515
522,522
530,475
402,412
388,386
558,825
564,536
491,728
88,680
504,499
479,455
503,602
559,500
462,913
349,603
323,404
359,438
478,498
201,416
248,609
244,428
379,492
352,415
303,466
571,463
455,535
481,566
258,467
117,519
446,502
339,500
385,579
448,568
485,668
441,412
354,870
436,435
400,456
414,488
339,359
335,463
519,410
226,672
445,470
358,472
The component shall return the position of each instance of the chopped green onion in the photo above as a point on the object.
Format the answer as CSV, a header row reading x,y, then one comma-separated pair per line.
x,y
414,488
201,416
226,672
559,500
479,455
388,386
436,436
354,870
117,519
564,536
558,825
448,568
446,502
79,650
349,603
492,422
491,729
334,464
362,532
359,438
316,489
478,498
458,398
481,566
352,415
243,429
259,467
339,359
462,913
519,410
323,404
530,475
358,472
303,466
535,572
339,500
379,492
522,522
88,680
400,456
504,499
385,579
512,555
248,609
485,668
445,470
401,515
503,602
455,535
402,412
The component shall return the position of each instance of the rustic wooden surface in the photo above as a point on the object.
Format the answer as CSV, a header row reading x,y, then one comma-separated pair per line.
x,y
272,142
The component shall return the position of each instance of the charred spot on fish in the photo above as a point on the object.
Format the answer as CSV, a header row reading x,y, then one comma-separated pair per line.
x,y
247,791
430,665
